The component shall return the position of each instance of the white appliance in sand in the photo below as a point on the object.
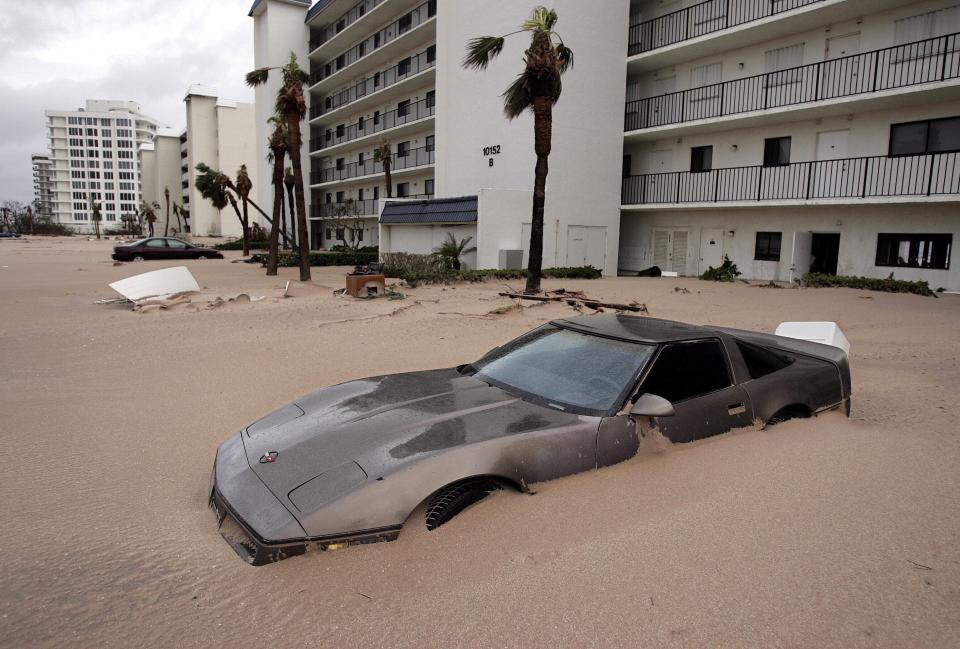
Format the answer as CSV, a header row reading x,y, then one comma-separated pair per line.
x,y
157,283
826,333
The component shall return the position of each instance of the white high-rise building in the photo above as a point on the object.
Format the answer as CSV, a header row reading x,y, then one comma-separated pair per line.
x,y
789,135
42,184
94,156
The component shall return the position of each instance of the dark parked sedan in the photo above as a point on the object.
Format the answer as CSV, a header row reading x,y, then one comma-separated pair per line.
x,y
162,248
349,463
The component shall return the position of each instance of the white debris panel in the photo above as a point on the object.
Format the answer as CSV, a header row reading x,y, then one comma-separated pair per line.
x,y
158,283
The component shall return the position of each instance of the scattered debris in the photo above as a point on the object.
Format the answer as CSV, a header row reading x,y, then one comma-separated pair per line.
x,y
680,289
919,566
119,263
166,282
578,301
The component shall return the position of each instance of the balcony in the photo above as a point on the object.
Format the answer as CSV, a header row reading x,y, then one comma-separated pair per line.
x,y
367,207
320,36
406,23
424,156
704,18
902,66
409,114
405,69
878,177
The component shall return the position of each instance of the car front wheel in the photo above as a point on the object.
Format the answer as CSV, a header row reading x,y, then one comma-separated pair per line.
x,y
452,500
139,258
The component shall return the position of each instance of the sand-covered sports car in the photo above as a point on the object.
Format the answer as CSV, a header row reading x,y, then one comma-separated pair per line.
x,y
349,463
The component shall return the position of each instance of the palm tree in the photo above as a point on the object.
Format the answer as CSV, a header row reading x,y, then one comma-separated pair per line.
x,y
289,181
383,155
537,88
166,197
278,152
292,105
243,187
95,207
452,250
210,186
180,211
149,215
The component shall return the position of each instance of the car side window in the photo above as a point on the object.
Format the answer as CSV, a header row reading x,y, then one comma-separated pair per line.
x,y
175,243
760,361
686,370
156,243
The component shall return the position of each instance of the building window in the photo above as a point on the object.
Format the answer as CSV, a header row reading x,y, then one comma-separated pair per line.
x,y
431,143
359,234
928,136
360,123
403,108
431,99
340,164
376,193
405,23
428,187
340,233
431,54
431,8
627,166
376,117
768,246
776,151
360,195
701,159
329,234
341,129
360,159
403,149
329,198
339,198
914,250
403,190
403,67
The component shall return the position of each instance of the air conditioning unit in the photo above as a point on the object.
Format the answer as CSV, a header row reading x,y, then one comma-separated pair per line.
x,y
510,259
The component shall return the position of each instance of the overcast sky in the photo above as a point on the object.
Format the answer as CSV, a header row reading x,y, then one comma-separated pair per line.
x,y
55,54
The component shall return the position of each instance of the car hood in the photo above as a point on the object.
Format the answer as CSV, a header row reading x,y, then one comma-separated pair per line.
x,y
351,431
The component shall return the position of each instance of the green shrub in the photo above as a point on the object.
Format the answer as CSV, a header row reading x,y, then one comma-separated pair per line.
x,y
292,259
435,269
343,248
726,272
886,285
238,245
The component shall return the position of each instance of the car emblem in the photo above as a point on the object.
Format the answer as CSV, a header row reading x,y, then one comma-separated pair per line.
x,y
269,457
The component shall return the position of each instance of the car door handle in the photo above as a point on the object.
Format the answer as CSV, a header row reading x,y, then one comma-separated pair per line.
x,y
736,409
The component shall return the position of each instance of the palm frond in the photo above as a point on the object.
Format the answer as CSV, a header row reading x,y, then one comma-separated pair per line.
x,y
258,77
482,50
542,19
516,98
565,56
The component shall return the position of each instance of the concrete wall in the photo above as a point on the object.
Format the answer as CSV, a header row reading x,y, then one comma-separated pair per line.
x,y
583,184
202,148
237,145
423,239
858,227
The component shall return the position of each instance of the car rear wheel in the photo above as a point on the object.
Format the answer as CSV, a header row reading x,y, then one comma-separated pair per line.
x,y
452,500
139,258
790,412
202,257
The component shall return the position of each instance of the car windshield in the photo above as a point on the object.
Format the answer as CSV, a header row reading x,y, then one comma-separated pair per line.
x,y
566,369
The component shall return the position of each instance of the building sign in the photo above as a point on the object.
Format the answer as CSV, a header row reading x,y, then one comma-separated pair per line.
x,y
490,151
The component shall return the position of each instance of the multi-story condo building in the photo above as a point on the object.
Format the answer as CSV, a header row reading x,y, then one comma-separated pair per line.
x,y
94,156
160,163
42,184
788,135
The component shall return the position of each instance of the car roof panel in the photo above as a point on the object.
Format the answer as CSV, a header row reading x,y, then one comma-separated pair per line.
x,y
637,328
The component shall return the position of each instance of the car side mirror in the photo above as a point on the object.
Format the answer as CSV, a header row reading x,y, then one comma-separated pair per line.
x,y
650,405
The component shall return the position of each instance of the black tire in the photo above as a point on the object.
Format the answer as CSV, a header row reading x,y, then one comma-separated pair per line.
x,y
452,500
788,413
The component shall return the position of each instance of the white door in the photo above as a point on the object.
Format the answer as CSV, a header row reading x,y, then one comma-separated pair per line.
x,y
658,185
800,262
679,252
842,75
711,249
661,249
586,246
833,176
671,21
670,250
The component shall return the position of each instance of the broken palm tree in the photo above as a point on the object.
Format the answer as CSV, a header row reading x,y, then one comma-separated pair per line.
x,y
578,300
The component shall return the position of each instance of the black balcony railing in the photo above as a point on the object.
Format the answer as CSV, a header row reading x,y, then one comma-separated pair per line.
x,y
405,69
934,59
704,18
394,30
411,158
320,36
878,176
366,207
368,126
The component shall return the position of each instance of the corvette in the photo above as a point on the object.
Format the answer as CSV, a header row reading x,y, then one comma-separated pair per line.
x,y
349,463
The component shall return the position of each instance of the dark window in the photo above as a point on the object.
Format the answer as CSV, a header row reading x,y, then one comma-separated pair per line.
x,y
339,233
329,233
341,61
431,99
329,135
403,108
328,103
360,194
376,117
376,193
914,250
431,8
403,190
359,234
405,23
768,246
327,70
686,370
341,129
403,149
760,361
403,67
431,54
329,198
340,26
363,10
360,124
376,40
627,166
429,146
339,197
428,186
360,158
361,49
701,159
340,163
776,151
376,79
929,136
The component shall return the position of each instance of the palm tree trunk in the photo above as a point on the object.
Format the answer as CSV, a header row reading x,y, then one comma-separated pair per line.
x,y
283,212
293,217
166,224
293,129
246,229
388,179
543,133
272,257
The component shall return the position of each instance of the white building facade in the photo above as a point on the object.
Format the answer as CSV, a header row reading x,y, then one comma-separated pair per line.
x,y
160,164
42,184
790,135
94,153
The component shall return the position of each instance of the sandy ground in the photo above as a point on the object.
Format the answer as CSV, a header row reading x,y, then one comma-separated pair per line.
x,y
818,533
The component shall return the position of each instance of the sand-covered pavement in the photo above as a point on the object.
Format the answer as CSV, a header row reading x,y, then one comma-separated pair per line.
x,y
815,533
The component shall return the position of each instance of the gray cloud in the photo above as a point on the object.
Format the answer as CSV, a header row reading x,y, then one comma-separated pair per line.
x,y
55,54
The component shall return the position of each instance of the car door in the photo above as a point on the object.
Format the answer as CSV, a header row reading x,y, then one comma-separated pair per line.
x,y
695,376
179,250
154,249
